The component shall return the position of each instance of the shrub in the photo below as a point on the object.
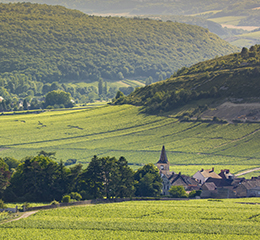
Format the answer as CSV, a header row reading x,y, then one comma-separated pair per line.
x,y
76,196
54,202
2,205
26,205
66,199
194,193
177,192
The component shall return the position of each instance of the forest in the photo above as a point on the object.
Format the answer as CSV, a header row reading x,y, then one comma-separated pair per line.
x,y
43,44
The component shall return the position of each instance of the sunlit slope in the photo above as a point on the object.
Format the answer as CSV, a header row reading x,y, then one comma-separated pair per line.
x,y
123,131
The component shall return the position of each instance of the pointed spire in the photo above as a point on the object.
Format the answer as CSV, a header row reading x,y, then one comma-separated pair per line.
x,y
163,157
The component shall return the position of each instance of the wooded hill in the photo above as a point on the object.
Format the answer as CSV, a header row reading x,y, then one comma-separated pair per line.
x,y
52,43
235,75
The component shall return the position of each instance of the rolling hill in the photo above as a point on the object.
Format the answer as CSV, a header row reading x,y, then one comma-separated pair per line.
x,y
52,43
233,16
233,76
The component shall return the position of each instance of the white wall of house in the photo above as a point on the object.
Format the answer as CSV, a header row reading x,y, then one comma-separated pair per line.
x,y
200,178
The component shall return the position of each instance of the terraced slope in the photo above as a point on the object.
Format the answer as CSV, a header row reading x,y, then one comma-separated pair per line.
x,y
124,131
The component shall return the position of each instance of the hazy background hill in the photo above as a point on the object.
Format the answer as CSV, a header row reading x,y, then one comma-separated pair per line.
x,y
232,16
43,43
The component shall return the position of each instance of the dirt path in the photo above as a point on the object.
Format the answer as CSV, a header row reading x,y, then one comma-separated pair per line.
x,y
24,215
248,171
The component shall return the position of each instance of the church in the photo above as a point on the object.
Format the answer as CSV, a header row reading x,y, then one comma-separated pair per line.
x,y
170,178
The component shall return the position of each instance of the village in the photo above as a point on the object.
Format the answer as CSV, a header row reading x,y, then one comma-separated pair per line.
x,y
212,184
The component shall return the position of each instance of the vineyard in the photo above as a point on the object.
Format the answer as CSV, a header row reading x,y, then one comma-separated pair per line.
x,y
124,131
193,219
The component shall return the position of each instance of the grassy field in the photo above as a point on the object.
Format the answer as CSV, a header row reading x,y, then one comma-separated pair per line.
x,y
110,83
193,219
124,131
229,20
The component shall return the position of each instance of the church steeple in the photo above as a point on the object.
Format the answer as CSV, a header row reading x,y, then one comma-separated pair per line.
x,y
163,164
163,157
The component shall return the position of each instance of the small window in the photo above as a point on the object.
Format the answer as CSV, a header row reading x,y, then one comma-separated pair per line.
x,y
162,167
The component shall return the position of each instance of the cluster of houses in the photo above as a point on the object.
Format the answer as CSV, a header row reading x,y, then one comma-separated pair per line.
x,y
213,185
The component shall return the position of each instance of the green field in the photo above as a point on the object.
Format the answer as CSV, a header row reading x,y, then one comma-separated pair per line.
x,y
193,219
124,131
229,20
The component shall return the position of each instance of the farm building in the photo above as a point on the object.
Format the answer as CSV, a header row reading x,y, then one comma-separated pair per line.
x,y
202,175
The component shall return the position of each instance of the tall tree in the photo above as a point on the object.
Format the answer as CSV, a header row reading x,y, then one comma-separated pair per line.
x,y
100,86
36,179
5,176
148,181
125,185
25,104
107,177
91,179
105,89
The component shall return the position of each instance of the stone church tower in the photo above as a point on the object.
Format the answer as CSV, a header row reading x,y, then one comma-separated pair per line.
x,y
163,164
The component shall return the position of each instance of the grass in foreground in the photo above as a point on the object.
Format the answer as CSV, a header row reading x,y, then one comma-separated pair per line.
x,y
193,219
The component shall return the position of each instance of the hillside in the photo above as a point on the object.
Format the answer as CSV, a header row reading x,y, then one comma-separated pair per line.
x,y
52,43
234,16
233,76
124,131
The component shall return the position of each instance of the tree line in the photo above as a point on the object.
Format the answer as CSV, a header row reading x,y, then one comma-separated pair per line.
x,y
42,179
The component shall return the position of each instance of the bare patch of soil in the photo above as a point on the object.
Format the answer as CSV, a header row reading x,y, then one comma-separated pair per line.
x,y
247,28
2,149
25,215
249,112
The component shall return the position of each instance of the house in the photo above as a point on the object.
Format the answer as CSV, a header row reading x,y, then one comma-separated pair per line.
x,y
178,180
171,178
248,188
225,174
202,175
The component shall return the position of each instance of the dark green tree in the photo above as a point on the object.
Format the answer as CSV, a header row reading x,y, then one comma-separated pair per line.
x,y
91,180
25,104
107,177
11,162
4,105
47,154
100,86
5,176
58,97
125,184
105,89
36,179
148,182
